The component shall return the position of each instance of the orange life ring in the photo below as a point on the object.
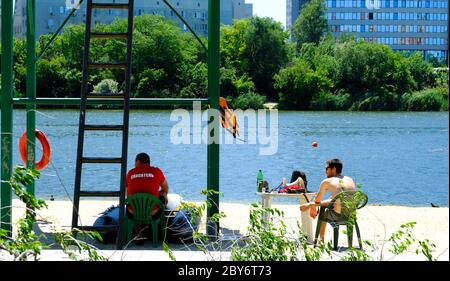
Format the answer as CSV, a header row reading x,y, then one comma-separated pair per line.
x,y
42,138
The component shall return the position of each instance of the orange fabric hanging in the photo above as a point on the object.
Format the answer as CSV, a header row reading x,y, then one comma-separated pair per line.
x,y
229,121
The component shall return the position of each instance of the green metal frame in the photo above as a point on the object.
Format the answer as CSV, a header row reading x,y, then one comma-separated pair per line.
x,y
7,101
7,112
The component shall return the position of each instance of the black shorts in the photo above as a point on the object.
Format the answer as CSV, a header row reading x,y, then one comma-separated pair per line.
x,y
331,215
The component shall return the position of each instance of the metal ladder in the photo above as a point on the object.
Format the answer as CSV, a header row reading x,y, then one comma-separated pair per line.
x,y
81,159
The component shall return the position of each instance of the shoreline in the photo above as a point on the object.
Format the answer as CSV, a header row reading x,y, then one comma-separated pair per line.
x,y
376,223
287,202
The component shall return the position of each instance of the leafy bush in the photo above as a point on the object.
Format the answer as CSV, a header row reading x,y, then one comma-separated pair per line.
x,y
26,244
265,241
441,77
426,100
297,85
151,80
106,86
257,47
197,81
244,85
377,102
421,71
248,100
403,239
329,101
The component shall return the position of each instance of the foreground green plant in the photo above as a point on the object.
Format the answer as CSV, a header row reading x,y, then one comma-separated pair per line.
x,y
312,253
77,249
403,239
26,244
265,241
354,254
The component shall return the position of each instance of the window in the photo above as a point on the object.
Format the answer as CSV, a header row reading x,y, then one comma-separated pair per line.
x,y
395,3
395,15
363,3
387,3
370,16
362,28
50,23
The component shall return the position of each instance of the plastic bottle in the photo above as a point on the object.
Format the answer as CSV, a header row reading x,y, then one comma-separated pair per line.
x,y
259,179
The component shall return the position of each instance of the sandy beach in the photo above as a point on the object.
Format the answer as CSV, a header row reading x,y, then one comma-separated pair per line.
x,y
377,223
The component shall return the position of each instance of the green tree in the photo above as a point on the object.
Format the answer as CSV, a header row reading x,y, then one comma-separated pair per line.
x,y
297,84
257,47
364,70
311,23
421,71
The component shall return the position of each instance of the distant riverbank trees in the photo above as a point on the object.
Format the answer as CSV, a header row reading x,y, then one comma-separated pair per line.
x,y
349,74
258,65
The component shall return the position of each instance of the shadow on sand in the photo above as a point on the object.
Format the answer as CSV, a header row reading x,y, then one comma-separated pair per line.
x,y
228,238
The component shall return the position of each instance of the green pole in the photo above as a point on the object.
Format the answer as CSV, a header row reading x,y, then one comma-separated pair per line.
x,y
214,94
6,112
31,86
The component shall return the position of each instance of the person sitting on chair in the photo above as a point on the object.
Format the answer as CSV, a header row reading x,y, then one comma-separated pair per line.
x,y
334,183
146,179
298,181
298,178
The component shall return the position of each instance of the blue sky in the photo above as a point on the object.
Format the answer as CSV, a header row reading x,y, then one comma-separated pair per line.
x,y
270,8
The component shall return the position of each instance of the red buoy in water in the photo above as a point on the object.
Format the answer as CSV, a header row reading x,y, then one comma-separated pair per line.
x,y
314,144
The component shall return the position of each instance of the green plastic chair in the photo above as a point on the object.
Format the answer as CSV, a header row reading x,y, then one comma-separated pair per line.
x,y
143,204
350,202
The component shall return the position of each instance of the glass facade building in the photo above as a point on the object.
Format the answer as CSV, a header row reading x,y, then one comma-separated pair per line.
x,y
406,25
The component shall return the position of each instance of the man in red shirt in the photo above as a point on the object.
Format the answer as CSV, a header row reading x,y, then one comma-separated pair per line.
x,y
146,179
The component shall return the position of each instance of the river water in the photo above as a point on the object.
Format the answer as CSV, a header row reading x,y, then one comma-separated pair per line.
x,y
398,158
